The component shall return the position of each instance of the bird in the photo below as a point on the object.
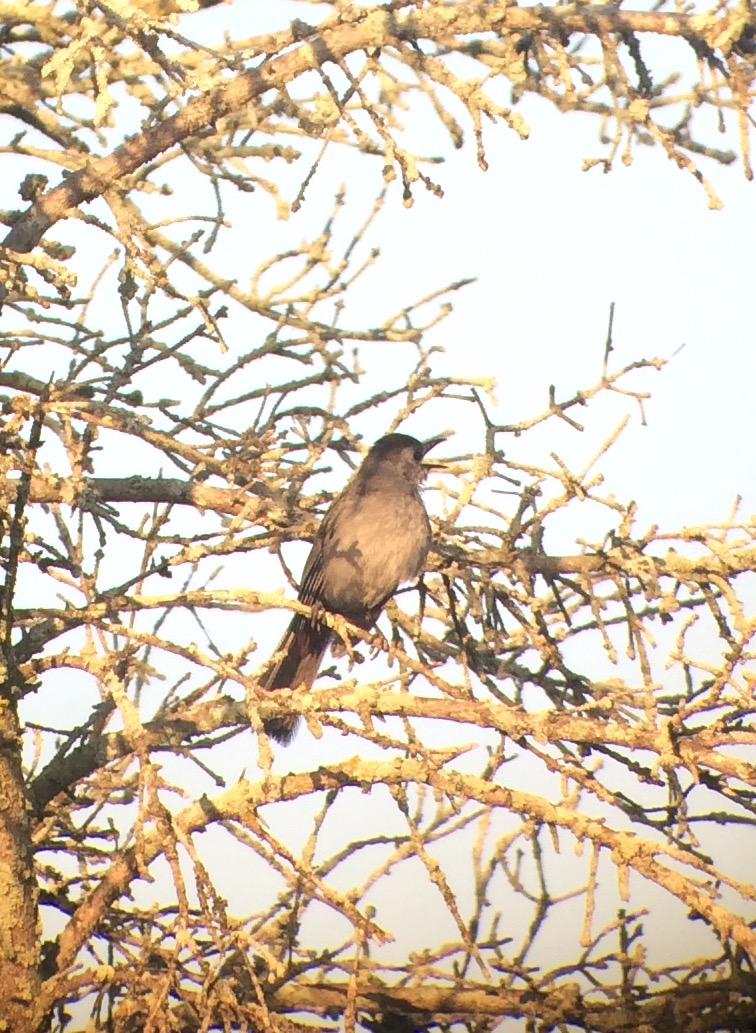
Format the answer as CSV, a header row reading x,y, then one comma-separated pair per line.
x,y
374,536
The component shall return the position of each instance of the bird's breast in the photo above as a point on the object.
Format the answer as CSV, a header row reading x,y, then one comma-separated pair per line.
x,y
379,541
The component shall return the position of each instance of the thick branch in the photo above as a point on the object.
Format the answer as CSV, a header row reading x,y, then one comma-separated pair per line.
x,y
52,489
176,729
723,1001
707,1005
85,493
370,29
169,732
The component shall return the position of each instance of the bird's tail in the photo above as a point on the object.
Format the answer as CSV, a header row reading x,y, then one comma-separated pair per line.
x,y
299,655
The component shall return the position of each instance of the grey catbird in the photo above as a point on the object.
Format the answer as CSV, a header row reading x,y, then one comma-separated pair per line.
x,y
374,536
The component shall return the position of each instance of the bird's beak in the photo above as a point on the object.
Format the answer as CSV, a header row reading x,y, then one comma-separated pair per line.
x,y
427,446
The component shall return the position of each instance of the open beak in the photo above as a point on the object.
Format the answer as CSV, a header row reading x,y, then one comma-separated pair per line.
x,y
427,446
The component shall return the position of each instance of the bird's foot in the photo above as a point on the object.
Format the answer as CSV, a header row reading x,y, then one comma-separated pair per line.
x,y
378,643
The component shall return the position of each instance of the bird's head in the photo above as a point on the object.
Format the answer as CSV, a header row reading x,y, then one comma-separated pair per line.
x,y
406,453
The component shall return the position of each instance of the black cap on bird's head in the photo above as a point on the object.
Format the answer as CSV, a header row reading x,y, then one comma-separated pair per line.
x,y
401,454
399,444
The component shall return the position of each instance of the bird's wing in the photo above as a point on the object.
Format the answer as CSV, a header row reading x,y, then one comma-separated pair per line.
x,y
311,585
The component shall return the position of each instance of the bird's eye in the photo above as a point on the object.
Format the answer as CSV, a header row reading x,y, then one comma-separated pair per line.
x,y
419,454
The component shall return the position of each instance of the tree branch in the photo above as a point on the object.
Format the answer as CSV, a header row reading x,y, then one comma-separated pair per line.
x,y
86,492
241,802
370,29
172,730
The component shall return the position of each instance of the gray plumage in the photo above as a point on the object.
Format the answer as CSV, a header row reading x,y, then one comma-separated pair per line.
x,y
375,536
